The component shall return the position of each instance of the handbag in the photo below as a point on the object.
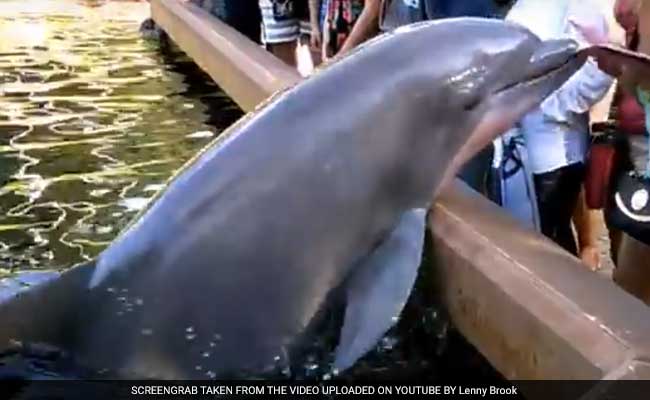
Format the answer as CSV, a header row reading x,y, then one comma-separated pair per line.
x,y
629,208
630,114
603,163
629,205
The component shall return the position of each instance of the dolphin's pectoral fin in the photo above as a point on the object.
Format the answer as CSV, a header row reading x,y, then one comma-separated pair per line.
x,y
378,290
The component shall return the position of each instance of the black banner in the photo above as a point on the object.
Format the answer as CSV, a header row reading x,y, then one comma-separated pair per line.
x,y
178,390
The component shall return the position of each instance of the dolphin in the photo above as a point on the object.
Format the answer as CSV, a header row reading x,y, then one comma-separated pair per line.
x,y
317,196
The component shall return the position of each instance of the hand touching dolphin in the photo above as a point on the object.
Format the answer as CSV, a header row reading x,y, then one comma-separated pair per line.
x,y
319,193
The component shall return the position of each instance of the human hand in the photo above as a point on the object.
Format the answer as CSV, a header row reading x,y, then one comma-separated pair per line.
x,y
315,39
610,65
632,69
590,256
626,13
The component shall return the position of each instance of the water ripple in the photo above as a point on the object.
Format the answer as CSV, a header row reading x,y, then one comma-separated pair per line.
x,y
93,121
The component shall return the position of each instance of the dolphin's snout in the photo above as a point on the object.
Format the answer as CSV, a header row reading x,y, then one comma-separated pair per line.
x,y
551,55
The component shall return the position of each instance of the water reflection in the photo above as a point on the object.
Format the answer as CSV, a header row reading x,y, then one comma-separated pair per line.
x,y
93,120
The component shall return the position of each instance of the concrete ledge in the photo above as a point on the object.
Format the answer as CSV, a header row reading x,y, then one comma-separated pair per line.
x,y
529,307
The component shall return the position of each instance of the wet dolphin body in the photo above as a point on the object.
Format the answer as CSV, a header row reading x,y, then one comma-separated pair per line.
x,y
321,191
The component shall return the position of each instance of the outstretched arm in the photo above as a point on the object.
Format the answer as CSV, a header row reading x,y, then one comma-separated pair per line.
x,y
584,89
366,26
589,84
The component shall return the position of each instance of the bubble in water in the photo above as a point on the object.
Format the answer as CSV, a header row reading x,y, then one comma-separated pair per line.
x,y
102,230
110,290
198,368
189,329
211,374
139,302
327,377
394,319
200,134
99,192
388,343
134,204
205,354
311,366
121,299
125,290
276,358
153,188
335,372
147,332
190,336
217,336
212,344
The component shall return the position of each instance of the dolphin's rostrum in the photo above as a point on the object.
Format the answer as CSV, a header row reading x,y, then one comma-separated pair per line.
x,y
322,188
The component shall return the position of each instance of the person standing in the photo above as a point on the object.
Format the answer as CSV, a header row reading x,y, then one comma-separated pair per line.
x,y
632,271
366,26
385,15
317,15
557,133
243,15
284,24
340,20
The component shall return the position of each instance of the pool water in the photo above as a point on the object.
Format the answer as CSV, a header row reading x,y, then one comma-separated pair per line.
x,y
93,121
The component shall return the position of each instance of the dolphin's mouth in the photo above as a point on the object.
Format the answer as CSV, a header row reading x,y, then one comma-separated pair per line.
x,y
537,78
552,57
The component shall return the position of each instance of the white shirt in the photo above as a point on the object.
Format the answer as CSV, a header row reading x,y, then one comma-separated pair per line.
x,y
557,133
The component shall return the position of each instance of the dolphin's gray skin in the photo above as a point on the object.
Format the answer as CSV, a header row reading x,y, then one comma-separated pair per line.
x,y
322,188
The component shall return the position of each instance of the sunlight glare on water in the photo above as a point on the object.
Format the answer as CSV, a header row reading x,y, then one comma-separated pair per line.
x,y
93,121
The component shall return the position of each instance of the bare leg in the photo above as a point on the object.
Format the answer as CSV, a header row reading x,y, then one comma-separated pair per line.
x,y
315,52
285,52
586,223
